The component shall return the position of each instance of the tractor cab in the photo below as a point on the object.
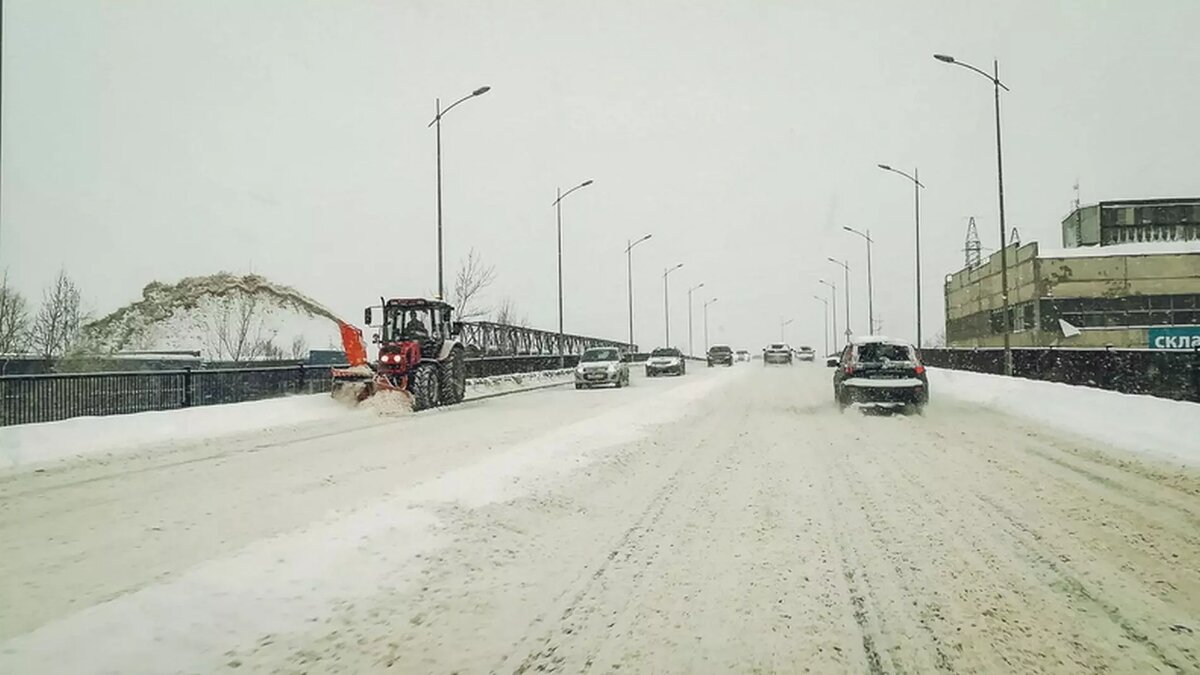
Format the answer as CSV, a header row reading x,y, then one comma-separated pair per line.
x,y
429,323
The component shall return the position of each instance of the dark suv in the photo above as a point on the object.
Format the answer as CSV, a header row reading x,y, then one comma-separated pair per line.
x,y
880,371
720,355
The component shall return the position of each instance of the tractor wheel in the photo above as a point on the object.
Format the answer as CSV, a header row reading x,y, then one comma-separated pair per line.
x,y
454,378
423,385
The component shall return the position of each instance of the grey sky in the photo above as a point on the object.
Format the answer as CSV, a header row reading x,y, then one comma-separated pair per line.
x,y
154,140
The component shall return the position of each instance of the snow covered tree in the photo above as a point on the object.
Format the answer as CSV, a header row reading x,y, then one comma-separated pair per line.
x,y
14,319
236,327
473,277
56,325
299,347
506,314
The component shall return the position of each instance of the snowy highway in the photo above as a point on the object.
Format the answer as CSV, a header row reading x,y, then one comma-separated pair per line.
x,y
727,521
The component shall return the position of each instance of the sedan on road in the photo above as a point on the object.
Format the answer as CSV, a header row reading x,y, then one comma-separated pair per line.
x,y
880,371
720,355
601,366
806,353
777,352
665,360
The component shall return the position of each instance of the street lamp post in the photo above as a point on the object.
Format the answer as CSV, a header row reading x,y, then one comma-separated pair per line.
x,y
825,315
691,352
667,303
845,266
997,85
706,323
562,359
870,284
917,186
629,267
833,298
783,329
437,121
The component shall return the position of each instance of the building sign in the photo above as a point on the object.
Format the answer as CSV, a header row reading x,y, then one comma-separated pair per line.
x,y
1175,337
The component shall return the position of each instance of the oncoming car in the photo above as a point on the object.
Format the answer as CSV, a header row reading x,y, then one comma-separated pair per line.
x,y
880,371
601,365
743,355
777,352
668,360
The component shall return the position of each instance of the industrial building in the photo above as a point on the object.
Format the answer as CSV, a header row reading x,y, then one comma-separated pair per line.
x,y
1135,295
1132,221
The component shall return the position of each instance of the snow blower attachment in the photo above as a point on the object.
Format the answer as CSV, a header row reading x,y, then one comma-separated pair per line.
x,y
419,355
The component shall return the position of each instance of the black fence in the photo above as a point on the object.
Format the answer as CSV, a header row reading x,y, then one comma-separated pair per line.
x,y
1167,374
30,398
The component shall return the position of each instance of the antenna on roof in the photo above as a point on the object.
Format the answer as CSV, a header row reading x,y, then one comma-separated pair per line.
x,y
972,247
1014,238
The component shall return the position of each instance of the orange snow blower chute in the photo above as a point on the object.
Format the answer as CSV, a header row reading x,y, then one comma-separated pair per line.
x,y
352,343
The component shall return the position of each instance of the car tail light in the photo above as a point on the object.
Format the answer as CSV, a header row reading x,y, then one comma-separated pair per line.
x,y
920,369
849,370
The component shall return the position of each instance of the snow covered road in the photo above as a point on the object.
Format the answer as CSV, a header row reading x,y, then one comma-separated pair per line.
x,y
728,521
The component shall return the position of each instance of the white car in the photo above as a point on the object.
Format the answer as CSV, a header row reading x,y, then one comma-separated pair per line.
x,y
601,366
665,360
805,353
777,352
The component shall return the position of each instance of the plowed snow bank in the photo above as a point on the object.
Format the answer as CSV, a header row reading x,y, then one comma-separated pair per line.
x,y
1144,424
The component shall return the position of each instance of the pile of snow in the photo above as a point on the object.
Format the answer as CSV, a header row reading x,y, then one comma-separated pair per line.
x,y
1144,424
29,443
515,381
1140,248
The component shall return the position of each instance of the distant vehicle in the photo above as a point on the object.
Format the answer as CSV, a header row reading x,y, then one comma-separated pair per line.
x,y
720,355
880,371
805,353
743,355
665,360
777,352
832,360
601,366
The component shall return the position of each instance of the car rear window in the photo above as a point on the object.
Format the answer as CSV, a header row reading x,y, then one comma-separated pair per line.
x,y
665,352
882,351
720,350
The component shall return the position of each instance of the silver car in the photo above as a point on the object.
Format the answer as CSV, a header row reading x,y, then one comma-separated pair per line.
x,y
601,366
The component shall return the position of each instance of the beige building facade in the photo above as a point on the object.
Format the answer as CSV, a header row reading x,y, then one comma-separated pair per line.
x,y
1113,297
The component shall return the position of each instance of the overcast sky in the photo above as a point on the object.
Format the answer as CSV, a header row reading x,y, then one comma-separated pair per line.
x,y
149,140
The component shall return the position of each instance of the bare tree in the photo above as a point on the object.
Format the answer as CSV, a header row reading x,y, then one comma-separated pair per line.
x,y
56,325
473,277
267,350
236,330
299,347
14,319
506,314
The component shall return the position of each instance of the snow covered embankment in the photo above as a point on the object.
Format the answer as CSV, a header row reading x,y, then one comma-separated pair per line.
x,y
1143,424
25,444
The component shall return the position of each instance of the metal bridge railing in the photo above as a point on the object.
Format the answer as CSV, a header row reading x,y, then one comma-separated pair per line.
x,y
484,338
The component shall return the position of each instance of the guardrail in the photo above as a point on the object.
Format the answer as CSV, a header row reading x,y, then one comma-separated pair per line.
x,y
1166,374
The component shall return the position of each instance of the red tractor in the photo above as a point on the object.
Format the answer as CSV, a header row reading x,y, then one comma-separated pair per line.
x,y
419,353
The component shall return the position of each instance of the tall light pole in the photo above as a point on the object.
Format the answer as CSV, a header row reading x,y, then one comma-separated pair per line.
x,y
629,268
667,303
870,284
825,314
833,298
437,121
691,352
917,187
562,359
845,266
997,85
783,329
706,323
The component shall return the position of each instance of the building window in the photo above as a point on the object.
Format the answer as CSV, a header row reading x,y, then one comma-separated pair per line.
x,y
997,320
